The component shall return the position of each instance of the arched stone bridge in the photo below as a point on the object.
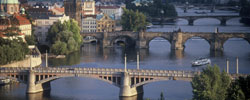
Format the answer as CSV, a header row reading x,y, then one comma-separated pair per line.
x,y
223,19
176,39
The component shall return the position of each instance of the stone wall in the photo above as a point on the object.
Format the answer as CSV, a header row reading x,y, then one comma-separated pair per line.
x,y
35,59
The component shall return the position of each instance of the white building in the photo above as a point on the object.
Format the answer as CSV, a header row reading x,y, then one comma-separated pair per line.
x,y
43,25
89,24
111,10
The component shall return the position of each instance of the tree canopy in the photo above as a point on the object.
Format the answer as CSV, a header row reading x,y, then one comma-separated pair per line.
x,y
156,8
211,84
133,21
12,50
64,37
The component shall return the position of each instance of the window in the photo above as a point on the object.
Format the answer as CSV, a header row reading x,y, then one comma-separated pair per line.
x,y
11,9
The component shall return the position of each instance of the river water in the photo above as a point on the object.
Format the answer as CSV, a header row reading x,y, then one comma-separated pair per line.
x,y
158,56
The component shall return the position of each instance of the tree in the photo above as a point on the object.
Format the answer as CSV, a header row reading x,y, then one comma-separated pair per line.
x,y
31,40
133,21
235,92
244,84
12,50
211,84
59,48
65,34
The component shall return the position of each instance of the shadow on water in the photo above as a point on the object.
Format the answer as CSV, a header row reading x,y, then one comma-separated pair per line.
x,y
216,53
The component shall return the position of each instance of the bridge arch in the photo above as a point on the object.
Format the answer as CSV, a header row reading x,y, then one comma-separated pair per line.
x,y
127,40
91,39
236,38
198,37
213,20
231,19
160,37
156,80
82,76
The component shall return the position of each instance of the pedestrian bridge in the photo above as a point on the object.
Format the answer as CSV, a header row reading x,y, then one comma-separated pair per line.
x,y
129,81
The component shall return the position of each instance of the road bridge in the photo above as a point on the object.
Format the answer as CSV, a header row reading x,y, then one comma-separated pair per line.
x,y
130,81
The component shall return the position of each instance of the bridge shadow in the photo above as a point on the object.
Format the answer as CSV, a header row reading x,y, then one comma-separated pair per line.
x,y
216,53
136,97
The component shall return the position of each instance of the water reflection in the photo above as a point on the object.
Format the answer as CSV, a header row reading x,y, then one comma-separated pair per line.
x,y
177,54
72,59
39,96
136,97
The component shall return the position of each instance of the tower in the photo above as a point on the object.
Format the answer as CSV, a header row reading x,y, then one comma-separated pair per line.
x,y
73,9
89,7
9,6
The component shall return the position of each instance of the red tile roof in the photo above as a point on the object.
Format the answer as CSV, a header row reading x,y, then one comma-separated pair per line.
x,y
22,20
59,9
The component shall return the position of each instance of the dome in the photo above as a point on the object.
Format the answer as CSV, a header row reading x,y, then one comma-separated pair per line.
x,y
9,2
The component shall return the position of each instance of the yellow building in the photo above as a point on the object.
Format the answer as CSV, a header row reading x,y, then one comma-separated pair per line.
x,y
105,22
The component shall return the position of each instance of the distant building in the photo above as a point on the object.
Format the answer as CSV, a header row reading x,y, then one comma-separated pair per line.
x,y
18,21
9,24
73,9
89,24
23,24
42,25
9,6
111,10
105,23
89,7
36,13
57,10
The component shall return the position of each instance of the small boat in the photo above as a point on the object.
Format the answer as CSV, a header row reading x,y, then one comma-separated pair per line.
x,y
201,61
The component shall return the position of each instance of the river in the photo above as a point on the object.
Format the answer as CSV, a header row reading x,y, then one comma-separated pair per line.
x,y
158,56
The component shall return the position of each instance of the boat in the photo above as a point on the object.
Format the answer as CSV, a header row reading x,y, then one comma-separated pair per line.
x,y
201,61
4,81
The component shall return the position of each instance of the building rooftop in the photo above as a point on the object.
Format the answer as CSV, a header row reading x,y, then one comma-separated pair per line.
x,y
9,2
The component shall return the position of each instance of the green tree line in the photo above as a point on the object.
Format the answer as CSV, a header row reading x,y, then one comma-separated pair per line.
x,y
133,20
156,8
212,84
245,12
64,37
12,50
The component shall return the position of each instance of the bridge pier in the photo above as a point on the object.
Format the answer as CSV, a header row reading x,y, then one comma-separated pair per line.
x,y
190,21
141,43
177,42
216,46
125,89
32,87
223,22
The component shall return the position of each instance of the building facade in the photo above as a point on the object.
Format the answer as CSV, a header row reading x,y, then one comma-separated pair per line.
x,y
112,10
9,6
43,24
88,7
89,24
73,9
105,23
